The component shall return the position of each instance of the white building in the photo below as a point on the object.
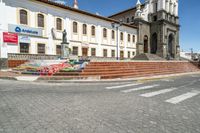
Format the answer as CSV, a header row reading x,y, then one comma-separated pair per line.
x,y
39,24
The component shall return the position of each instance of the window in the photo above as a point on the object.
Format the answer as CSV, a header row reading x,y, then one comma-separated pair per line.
x,y
105,53
113,53
133,53
127,20
24,48
23,17
121,36
40,19
104,32
113,34
133,38
93,30
75,50
129,37
93,51
41,48
84,29
155,7
59,24
58,49
132,19
129,54
75,27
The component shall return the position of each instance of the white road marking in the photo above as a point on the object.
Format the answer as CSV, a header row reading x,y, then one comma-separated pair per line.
x,y
167,80
140,88
155,93
122,86
182,97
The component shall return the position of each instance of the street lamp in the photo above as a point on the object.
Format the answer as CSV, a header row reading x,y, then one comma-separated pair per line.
x,y
117,25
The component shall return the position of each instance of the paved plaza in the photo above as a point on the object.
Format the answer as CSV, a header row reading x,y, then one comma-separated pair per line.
x,y
170,105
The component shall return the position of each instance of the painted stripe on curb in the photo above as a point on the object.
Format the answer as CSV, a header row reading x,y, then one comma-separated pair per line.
x,y
155,93
140,88
122,86
27,78
182,97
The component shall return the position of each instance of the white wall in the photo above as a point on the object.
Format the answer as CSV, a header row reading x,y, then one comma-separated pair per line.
x,y
9,16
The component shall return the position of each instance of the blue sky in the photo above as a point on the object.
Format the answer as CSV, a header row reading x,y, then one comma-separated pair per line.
x,y
189,13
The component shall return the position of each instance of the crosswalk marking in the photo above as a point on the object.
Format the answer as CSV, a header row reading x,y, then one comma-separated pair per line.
x,y
182,97
140,88
155,93
122,86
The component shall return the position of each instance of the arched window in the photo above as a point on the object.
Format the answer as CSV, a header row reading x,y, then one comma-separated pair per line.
x,y
121,36
133,38
93,30
127,20
129,37
113,34
132,19
84,29
40,19
104,32
75,27
23,17
59,24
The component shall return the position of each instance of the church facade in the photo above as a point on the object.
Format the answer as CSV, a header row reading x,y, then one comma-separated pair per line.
x,y
158,27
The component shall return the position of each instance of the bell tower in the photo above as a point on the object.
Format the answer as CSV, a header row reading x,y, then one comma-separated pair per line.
x,y
164,28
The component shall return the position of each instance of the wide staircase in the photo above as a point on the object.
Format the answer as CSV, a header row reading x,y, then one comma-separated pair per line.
x,y
109,70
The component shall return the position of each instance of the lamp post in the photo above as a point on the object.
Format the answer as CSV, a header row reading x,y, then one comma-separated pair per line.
x,y
116,26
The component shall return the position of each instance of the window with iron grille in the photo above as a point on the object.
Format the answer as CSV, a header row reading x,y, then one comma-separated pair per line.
x,y
104,32
59,24
113,53
24,48
58,49
113,34
23,17
105,53
93,30
75,27
75,50
41,48
93,51
40,20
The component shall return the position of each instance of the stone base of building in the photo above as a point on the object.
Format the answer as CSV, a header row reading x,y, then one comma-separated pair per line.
x,y
3,63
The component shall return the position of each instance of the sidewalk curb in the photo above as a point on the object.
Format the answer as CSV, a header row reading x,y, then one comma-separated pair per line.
x,y
119,80
142,79
8,78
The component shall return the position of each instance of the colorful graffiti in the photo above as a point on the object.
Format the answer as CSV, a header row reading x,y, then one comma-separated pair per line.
x,y
50,67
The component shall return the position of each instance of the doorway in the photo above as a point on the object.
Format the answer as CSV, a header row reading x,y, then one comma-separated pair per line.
x,y
121,54
24,48
170,45
84,52
145,44
154,44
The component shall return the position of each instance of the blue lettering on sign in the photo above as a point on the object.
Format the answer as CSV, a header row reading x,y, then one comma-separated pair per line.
x,y
18,29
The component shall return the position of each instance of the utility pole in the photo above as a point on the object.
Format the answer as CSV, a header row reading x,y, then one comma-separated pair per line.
x,y
117,25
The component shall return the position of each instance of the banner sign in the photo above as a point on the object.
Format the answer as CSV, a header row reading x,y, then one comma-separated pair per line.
x,y
10,38
24,30
24,39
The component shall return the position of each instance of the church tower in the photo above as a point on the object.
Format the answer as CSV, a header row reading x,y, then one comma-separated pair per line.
x,y
159,28
164,31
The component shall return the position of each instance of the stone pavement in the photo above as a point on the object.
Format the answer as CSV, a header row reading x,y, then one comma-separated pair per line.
x,y
101,107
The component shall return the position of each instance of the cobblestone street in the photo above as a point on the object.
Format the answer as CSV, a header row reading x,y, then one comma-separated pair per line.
x,y
162,106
